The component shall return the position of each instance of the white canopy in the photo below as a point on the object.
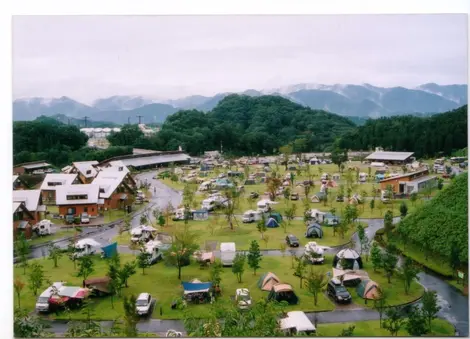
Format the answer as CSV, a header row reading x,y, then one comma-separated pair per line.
x,y
266,202
349,274
87,242
348,254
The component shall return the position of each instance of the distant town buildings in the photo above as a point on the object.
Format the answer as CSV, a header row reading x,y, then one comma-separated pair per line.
x,y
99,133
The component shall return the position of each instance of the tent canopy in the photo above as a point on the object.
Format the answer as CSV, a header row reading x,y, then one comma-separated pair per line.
x,y
196,287
349,258
271,222
368,289
314,230
282,287
109,250
267,281
87,242
283,292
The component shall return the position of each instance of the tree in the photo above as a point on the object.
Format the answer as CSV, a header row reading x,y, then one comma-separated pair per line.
x,y
28,326
115,283
347,332
18,286
55,253
388,224
363,239
230,207
408,272
389,261
394,321
376,257
273,183
22,250
315,282
161,220
143,259
130,316
403,209
416,325
182,248
238,266
35,278
429,306
143,219
380,303
215,274
128,270
454,258
85,267
338,155
261,226
286,152
254,256
300,267
413,198
290,214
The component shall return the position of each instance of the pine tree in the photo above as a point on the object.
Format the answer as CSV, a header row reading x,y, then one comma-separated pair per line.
x,y
254,256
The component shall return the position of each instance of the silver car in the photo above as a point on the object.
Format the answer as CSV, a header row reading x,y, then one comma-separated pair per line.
x,y
143,304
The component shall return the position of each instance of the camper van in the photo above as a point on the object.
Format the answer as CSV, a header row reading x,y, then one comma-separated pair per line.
x,y
264,205
155,248
43,227
42,303
209,204
227,253
297,323
251,216
314,253
324,176
363,177
85,247
384,196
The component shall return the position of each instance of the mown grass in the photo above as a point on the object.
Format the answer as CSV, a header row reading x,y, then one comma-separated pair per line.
x,y
62,233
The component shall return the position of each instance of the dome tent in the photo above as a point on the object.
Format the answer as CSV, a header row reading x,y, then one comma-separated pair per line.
x,y
368,289
267,281
314,231
349,258
283,292
271,223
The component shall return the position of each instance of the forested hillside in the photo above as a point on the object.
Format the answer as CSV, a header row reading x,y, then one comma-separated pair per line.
x,y
249,125
426,136
442,223
57,143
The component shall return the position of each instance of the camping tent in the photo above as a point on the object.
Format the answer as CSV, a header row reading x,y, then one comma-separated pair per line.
x,y
314,231
276,216
283,292
352,259
271,223
109,250
368,289
196,287
267,281
320,196
350,277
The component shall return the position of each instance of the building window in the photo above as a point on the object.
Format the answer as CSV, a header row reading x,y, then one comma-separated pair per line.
x,y
77,197
85,209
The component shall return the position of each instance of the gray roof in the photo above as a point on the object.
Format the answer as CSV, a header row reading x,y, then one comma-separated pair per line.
x,y
91,190
155,160
57,178
422,179
29,197
38,165
389,155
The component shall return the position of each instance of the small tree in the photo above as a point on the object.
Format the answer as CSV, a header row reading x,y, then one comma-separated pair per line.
x,y
454,258
372,206
19,286
361,234
254,256
182,248
315,282
394,321
26,325
300,267
389,261
143,259
35,278
261,226
128,270
215,274
238,267
413,198
408,272
388,224
85,267
290,214
416,325
266,240
130,316
429,306
115,283
380,303
55,253
161,220
22,250
348,332
376,257
403,209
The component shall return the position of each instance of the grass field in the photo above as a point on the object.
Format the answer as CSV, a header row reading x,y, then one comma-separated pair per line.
x,y
439,328
162,283
216,230
63,233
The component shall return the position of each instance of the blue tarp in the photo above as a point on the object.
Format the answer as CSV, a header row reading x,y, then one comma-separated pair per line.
x,y
194,287
109,250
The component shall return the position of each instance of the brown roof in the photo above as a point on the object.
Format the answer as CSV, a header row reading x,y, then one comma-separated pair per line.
x,y
282,288
405,175
97,281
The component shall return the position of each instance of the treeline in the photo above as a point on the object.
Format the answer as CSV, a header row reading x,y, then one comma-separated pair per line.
x,y
59,144
243,125
425,136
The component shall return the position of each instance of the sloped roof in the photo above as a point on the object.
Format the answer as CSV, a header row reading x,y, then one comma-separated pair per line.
x,y
84,166
64,179
29,197
90,190
109,180
405,175
15,206
389,155
14,178
282,287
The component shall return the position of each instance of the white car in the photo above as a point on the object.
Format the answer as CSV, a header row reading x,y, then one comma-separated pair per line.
x,y
143,304
85,219
243,298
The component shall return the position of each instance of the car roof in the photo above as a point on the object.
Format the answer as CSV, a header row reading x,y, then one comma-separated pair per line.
x,y
335,282
292,236
143,296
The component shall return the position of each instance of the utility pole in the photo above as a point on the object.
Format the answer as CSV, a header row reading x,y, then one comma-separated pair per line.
x,y
140,117
86,120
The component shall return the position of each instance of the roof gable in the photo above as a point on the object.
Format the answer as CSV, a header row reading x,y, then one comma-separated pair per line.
x,y
89,191
31,198
52,181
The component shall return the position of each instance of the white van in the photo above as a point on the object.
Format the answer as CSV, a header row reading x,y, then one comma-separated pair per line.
x,y
297,323
227,253
42,303
252,216
208,204
363,177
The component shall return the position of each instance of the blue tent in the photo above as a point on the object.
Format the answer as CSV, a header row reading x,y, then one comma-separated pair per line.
x,y
314,231
109,250
190,287
271,223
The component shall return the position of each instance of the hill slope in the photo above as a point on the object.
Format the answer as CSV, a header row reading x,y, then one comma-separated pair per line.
x,y
443,221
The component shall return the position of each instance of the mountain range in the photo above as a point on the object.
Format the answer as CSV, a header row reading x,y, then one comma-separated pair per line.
x,y
358,101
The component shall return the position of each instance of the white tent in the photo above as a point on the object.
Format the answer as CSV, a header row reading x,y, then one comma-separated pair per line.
x,y
87,242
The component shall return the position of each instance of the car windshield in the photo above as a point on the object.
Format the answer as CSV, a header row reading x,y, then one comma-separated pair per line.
x,y
292,238
141,302
43,300
244,297
341,289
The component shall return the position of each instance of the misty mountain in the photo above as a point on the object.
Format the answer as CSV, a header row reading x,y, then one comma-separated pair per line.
x,y
31,108
120,103
457,93
152,113
79,122
189,102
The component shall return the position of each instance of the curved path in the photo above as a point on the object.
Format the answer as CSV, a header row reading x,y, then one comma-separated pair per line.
x,y
454,306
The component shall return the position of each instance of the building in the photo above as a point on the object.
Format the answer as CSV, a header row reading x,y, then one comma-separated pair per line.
x,y
23,220
408,183
31,167
116,187
18,184
54,180
99,133
77,199
32,200
86,170
150,160
391,158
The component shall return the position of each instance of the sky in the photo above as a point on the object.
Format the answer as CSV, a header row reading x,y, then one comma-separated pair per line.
x,y
169,57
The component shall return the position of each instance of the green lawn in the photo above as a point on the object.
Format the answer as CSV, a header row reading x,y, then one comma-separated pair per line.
x,y
161,281
216,229
63,233
113,215
371,328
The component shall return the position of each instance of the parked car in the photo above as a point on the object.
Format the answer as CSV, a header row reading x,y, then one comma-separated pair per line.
x,y
69,219
85,218
338,292
292,240
243,298
294,196
143,304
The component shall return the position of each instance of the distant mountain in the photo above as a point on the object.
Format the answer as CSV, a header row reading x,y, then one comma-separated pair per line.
x,y
189,102
457,93
153,113
30,109
80,122
120,103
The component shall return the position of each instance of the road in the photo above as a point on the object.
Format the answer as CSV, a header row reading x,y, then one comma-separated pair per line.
x,y
454,306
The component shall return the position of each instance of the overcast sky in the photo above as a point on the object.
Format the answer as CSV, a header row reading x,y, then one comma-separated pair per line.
x,y
174,56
